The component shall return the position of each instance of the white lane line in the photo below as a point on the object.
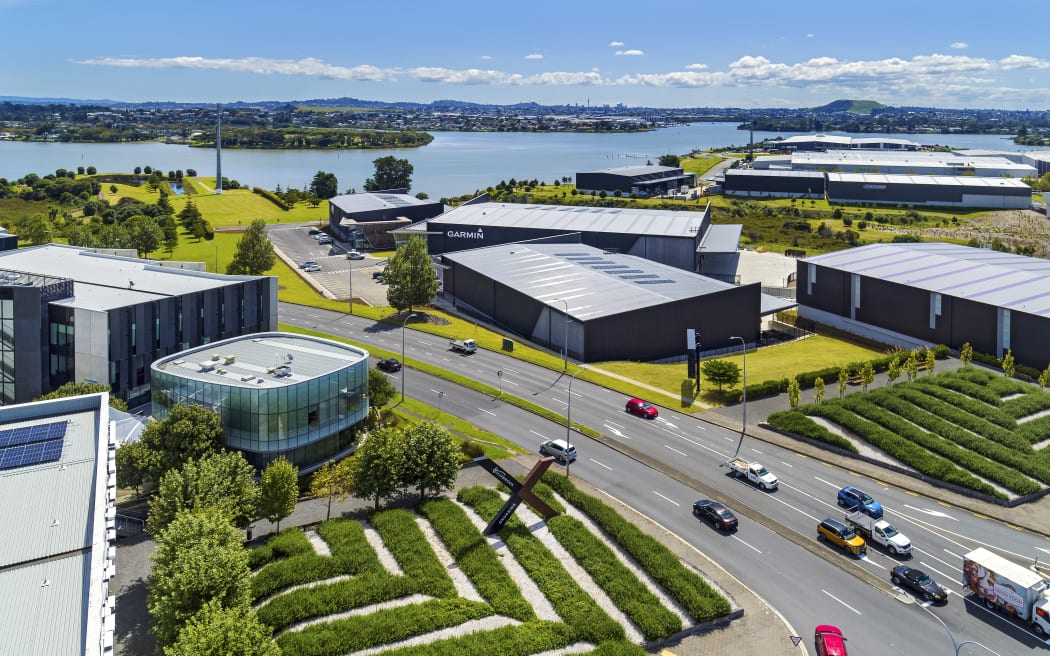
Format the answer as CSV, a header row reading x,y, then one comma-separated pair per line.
x,y
681,453
834,485
487,412
557,400
757,451
841,602
939,560
727,438
509,382
613,423
944,577
787,464
666,499
745,544
600,464
510,371
933,513
777,498
535,433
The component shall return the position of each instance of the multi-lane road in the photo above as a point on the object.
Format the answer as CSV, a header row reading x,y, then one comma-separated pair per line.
x,y
659,467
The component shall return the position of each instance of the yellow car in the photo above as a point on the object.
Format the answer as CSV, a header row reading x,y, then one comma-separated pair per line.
x,y
841,536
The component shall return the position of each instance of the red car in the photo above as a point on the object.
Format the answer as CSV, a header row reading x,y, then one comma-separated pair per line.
x,y
829,641
642,408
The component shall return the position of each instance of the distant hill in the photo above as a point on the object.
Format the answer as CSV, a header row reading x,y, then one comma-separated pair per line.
x,y
851,107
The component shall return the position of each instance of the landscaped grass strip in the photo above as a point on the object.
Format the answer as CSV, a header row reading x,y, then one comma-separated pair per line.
x,y
951,380
477,559
958,412
412,551
534,637
289,542
698,598
382,627
1033,401
616,648
624,589
794,421
978,409
571,603
364,589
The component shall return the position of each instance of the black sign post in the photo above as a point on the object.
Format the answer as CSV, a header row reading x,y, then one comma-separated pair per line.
x,y
518,491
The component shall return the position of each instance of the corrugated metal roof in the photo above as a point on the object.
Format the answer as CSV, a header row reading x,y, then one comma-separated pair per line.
x,y
42,607
368,202
897,158
720,239
572,218
774,173
1004,280
934,180
637,170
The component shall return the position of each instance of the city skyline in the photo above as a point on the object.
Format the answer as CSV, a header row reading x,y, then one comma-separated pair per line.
x,y
775,55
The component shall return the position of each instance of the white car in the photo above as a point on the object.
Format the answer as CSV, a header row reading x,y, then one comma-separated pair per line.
x,y
559,449
354,255
313,268
324,239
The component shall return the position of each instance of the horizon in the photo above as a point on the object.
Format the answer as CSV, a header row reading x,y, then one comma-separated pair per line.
x,y
585,54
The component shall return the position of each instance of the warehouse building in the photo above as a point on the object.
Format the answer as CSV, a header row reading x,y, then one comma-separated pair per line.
x,y
642,181
771,183
839,142
605,306
932,293
365,220
929,191
78,315
889,163
279,395
58,508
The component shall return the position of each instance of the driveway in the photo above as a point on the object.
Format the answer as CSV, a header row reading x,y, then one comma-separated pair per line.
x,y
338,275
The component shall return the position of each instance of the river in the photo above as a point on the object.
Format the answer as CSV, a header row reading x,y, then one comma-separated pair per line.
x,y
455,163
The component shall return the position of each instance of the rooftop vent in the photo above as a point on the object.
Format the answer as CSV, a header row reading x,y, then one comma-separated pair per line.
x,y
215,356
207,365
282,370
230,359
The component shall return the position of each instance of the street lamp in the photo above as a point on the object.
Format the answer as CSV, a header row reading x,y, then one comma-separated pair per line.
x,y
568,421
743,427
959,645
402,353
565,344
351,274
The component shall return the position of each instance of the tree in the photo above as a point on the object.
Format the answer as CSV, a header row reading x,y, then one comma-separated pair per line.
x,y
721,372
73,388
911,366
189,432
380,389
1044,378
893,371
331,480
1007,363
224,481
189,216
843,381
931,361
132,465
376,466
199,559
171,232
409,275
218,631
324,185
430,459
794,393
279,491
36,229
818,389
867,375
254,254
144,234
670,160
391,173
966,354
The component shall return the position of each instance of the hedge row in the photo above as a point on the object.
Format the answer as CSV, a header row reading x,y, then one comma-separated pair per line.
x,y
272,197
963,385
974,462
365,589
992,361
617,648
1027,404
289,542
351,554
960,415
907,452
690,590
572,604
794,421
379,628
978,409
531,638
624,589
1036,430
412,551
477,559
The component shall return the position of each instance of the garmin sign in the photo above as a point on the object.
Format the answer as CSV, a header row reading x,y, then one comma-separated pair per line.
x,y
462,234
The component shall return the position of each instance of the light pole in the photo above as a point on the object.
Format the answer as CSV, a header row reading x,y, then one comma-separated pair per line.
x,y
565,344
402,354
743,426
351,274
568,421
959,645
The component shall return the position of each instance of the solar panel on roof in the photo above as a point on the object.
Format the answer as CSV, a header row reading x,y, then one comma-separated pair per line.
x,y
619,271
652,282
571,254
636,277
30,434
608,266
36,453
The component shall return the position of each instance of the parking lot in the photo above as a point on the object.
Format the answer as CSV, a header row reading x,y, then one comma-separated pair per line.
x,y
335,274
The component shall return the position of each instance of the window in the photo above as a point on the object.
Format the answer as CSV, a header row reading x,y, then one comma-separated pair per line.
x,y
935,309
856,290
811,276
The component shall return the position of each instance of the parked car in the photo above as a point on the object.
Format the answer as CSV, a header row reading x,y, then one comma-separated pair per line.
x,y
313,268
854,499
391,365
306,263
354,255
829,641
324,239
559,449
314,231
642,408
841,536
918,582
716,513
377,275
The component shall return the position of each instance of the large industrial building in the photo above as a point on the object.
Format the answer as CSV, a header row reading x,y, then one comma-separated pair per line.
x,y
773,183
365,220
837,142
894,163
77,315
278,394
642,181
933,293
929,191
58,509
605,306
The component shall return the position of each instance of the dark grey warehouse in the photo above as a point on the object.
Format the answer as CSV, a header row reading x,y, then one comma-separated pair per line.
x,y
642,181
366,220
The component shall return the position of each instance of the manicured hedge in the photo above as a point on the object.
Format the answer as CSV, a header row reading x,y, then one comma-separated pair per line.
x,y
1029,404
289,542
272,197
412,551
796,422
617,648
965,386
531,638
365,589
624,589
382,627
477,559
690,590
964,403
1036,430
959,413
572,604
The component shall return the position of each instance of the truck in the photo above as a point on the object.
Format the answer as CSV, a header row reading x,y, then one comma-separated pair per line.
x,y
880,532
1016,590
465,346
753,473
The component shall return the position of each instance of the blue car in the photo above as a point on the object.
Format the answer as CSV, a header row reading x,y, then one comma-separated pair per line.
x,y
853,499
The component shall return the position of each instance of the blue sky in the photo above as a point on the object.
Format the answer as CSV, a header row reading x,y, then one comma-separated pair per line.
x,y
742,53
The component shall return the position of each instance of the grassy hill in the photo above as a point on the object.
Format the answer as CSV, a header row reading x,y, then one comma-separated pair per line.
x,y
851,106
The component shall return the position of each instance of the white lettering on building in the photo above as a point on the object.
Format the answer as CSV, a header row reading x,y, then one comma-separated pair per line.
x,y
461,234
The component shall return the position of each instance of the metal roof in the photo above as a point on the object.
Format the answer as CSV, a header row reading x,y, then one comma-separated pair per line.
x,y
916,160
368,202
42,607
935,180
775,173
633,171
816,138
573,218
256,360
720,239
1014,282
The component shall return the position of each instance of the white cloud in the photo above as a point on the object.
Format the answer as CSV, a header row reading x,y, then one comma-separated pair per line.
x,y
486,57
960,45
534,55
629,53
257,65
616,44
696,67
810,36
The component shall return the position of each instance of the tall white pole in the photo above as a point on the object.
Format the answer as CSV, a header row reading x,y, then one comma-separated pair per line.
x,y
743,426
565,343
403,354
218,149
568,421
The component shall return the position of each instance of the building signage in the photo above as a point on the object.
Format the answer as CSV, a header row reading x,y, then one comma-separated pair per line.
x,y
463,234
518,492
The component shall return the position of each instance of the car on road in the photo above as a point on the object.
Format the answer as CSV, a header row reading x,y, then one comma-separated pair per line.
x,y
324,239
313,268
306,263
841,536
829,641
716,513
918,582
642,408
354,255
854,499
391,365
559,449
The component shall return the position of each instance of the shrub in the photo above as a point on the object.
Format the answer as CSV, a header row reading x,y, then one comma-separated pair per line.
x,y
367,588
793,421
471,449
958,413
530,638
410,548
289,542
272,197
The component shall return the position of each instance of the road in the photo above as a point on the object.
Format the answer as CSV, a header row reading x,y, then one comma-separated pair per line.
x,y
661,466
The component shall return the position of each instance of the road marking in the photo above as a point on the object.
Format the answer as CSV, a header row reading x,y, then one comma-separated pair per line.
x,y
841,602
511,371
944,577
509,382
662,420
956,568
617,433
535,433
666,499
829,483
682,453
557,400
935,513
487,412
787,464
612,423
745,543
600,464
756,451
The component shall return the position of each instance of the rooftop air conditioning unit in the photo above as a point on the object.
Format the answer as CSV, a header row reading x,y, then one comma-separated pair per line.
x,y
215,356
207,365
230,359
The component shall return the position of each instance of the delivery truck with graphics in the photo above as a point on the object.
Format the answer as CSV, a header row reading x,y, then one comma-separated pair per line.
x,y
1014,589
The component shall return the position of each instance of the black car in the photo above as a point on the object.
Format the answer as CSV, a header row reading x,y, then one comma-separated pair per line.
x,y
314,231
918,582
714,512
391,365
377,275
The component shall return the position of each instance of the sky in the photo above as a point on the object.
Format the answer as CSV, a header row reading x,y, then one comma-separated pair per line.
x,y
724,53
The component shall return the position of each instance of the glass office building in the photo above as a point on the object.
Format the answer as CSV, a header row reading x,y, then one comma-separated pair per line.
x,y
278,394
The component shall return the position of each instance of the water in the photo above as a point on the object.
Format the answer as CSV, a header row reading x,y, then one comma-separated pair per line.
x,y
455,163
